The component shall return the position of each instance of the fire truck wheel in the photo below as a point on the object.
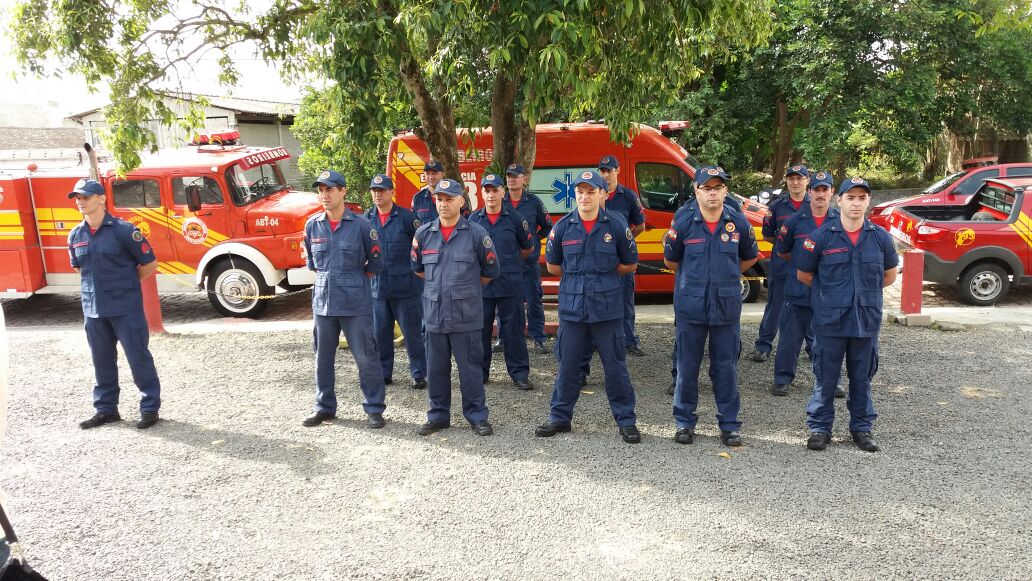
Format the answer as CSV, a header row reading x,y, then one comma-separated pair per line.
x,y
233,288
983,284
751,288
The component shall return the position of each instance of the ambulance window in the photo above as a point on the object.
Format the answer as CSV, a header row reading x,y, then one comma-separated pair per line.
x,y
211,194
661,186
136,194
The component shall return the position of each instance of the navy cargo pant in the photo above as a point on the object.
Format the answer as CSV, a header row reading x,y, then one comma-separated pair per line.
x,y
408,312
771,313
102,333
533,296
510,331
572,344
467,348
725,346
358,330
795,327
861,355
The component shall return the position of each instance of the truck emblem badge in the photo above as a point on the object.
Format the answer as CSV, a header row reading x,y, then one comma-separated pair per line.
x,y
964,237
195,231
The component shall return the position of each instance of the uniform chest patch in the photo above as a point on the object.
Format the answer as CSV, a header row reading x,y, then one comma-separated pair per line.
x,y
572,242
724,237
730,226
834,251
608,237
736,237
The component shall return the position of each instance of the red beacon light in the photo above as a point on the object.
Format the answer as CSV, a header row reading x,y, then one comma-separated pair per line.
x,y
223,138
671,128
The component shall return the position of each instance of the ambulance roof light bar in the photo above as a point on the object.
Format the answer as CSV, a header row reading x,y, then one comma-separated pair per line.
x,y
672,128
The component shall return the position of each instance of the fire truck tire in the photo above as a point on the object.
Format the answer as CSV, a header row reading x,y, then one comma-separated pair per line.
x,y
751,288
241,278
983,284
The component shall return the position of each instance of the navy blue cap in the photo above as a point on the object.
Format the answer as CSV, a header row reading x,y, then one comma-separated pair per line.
x,y
822,178
851,183
330,179
450,188
381,182
86,188
491,180
608,162
433,165
515,169
592,178
708,172
798,169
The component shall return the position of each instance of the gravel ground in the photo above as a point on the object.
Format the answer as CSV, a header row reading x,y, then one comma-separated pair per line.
x,y
230,486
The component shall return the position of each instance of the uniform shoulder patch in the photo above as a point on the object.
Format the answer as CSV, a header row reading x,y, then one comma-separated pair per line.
x,y
784,229
551,235
671,234
808,244
526,226
487,242
137,235
416,223
373,234
627,232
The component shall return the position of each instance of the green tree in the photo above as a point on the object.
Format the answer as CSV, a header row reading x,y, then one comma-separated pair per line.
x,y
613,59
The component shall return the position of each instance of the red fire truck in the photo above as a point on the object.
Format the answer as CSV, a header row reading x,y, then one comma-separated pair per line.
x,y
219,215
652,164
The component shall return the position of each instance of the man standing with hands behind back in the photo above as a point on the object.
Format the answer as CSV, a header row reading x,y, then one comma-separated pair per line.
x,y
112,257
533,211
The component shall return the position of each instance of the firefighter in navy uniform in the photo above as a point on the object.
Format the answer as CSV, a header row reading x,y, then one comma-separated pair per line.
x,y
591,249
112,257
423,202
344,251
455,258
396,289
709,247
847,262
780,210
625,202
533,211
796,327
503,296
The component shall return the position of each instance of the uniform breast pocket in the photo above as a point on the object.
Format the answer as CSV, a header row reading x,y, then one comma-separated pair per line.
x,y
508,254
573,258
694,256
871,264
348,256
606,256
320,254
431,264
835,269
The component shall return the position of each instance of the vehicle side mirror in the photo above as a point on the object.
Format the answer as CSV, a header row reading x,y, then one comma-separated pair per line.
x,y
193,198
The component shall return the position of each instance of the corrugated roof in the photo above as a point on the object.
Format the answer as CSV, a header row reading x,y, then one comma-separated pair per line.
x,y
41,137
235,104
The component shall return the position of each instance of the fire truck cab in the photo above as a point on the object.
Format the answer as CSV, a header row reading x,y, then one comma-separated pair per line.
x,y
659,170
219,216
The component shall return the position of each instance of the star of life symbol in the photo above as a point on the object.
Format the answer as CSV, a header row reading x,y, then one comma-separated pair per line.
x,y
565,193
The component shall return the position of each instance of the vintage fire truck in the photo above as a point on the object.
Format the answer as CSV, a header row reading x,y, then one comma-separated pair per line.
x,y
982,246
219,215
652,164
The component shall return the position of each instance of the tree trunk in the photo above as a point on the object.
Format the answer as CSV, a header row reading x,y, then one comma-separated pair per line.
x,y
781,140
503,120
526,145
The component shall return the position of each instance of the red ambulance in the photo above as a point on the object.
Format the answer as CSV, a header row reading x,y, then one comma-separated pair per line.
x,y
652,164
219,216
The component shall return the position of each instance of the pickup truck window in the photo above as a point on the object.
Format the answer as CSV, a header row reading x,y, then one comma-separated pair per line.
x,y
1013,172
136,194
974,181
211,194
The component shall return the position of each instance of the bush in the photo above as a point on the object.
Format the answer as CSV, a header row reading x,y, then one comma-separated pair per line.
x,y
749,183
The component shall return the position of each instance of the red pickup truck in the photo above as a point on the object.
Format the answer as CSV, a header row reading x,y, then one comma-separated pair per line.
x,y
982,246
954,189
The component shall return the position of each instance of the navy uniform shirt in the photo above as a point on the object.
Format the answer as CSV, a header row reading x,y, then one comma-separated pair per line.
x,y
510,234
396,280
341,258
781,209
847,282
708,288
452,294
423,206
590,289
790,240
107,261
626,203
533,211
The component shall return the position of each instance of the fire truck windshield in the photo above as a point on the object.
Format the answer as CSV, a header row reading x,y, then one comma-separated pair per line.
x,y
249,185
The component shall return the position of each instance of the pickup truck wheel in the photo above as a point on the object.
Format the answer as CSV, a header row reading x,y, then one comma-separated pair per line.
x,y
233,288
983,284
751,288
